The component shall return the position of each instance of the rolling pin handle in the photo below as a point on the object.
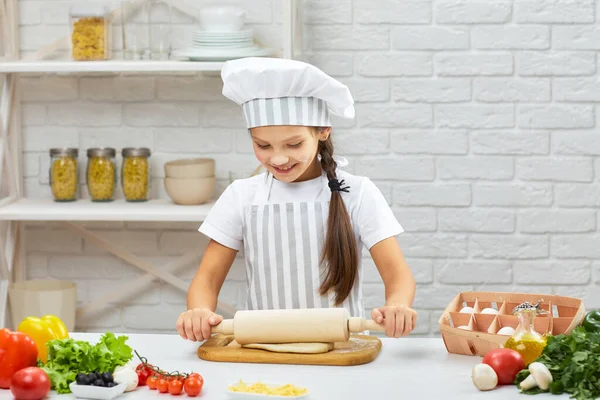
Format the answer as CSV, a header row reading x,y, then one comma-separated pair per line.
x,y
224,327
357,324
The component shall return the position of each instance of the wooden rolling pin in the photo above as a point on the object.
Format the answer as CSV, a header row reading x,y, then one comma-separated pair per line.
x,y
324,325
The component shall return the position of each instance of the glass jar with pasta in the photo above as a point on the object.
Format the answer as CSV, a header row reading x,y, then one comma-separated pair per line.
x,y
135,174
90,32
101,173
64,178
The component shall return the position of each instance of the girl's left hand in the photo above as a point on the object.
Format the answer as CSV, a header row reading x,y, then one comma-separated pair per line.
x,y
398,320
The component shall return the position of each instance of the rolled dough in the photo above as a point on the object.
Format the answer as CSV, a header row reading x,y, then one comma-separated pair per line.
x,y
304,348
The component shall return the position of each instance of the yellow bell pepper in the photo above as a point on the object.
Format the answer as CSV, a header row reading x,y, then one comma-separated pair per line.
x,y
42,330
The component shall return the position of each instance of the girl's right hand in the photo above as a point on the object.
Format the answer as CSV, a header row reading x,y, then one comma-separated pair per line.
x,y
195,324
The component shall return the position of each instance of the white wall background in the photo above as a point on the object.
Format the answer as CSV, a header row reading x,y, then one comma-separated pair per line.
x,y
476,118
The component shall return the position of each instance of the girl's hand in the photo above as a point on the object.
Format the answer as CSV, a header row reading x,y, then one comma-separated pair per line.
x,y
195,324
398,320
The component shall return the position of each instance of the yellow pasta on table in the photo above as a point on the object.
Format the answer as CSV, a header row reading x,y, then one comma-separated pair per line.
x,y
262,388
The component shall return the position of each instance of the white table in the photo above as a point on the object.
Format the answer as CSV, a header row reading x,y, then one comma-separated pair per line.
x,y
406,368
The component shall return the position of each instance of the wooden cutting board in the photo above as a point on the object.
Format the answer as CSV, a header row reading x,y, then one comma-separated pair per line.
x,y
360,349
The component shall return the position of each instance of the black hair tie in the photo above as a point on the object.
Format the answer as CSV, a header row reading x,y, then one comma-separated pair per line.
x,y
337,186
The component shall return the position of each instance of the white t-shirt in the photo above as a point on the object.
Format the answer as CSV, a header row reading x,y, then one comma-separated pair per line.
x,y
372,219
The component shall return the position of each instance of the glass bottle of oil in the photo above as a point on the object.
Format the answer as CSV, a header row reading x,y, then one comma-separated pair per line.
x,y
525,339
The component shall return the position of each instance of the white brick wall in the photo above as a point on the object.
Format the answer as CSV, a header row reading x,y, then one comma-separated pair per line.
x,y
476,119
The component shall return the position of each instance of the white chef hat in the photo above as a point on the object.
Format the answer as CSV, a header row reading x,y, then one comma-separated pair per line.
x,y
278,91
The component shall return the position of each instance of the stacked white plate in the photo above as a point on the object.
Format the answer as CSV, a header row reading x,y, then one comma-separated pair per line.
x,y
202,39
222,46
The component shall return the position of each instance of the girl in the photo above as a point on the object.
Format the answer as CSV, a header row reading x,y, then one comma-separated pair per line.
x,y
303,223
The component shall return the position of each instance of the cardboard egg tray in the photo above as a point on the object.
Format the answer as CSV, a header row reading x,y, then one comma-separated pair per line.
x,y
564,314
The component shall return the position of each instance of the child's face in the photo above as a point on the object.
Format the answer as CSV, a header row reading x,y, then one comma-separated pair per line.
x,y
288,151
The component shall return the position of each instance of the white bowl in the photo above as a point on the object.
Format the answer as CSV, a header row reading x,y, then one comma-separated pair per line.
x,y
190,168
190,191
222,18
97,392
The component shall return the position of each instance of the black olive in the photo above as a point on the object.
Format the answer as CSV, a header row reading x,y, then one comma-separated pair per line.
x,y
111,384
92,377
107,377
82,379
99,382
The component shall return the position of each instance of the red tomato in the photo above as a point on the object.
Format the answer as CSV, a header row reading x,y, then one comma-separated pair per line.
x,y
30,383
17,351
175,387
193,386
162,385
506,363
151,382
194,375
142,376
145,367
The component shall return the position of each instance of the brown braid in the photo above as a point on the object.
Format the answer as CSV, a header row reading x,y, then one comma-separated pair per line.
x,y
340,249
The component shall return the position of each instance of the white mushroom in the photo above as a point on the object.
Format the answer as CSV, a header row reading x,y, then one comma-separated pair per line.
x,y
484,377
539,375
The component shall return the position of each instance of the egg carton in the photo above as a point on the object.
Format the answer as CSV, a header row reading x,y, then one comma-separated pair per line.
x,y
472,323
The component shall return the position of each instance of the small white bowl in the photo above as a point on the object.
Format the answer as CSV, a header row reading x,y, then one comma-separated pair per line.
x,y
222,18
97,392
190,191
257,396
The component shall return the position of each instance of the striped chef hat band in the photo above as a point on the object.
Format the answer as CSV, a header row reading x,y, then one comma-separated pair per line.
x,y
277,91
306,111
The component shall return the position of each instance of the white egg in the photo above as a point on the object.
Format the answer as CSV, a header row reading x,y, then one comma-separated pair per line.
x,y
489,311
466,328
467,310
507,330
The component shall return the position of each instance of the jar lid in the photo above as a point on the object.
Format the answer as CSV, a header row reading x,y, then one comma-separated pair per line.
x,y
135,152
64,151
86,9
101,152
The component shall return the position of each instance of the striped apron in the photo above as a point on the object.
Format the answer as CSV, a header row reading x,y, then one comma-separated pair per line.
x,y
283,244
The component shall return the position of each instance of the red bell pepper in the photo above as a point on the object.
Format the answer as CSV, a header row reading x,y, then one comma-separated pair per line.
x,y
17,351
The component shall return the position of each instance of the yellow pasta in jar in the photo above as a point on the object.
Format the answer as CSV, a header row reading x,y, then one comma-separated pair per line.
x,y
135,178
89,39
63,178
261,388
135,173
101,174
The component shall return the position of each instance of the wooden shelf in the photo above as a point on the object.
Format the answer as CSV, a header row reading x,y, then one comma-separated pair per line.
x,y
118,210
68,66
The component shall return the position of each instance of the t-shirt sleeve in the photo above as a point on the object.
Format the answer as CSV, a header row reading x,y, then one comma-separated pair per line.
x,y
375,219
224,221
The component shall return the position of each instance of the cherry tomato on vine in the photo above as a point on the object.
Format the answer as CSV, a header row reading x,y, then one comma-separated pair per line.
x,y
175,387
193,386
162,385
142,376
151,382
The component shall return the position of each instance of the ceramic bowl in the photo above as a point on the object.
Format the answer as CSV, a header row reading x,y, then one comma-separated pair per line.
x,y
222,18
190,191
190,168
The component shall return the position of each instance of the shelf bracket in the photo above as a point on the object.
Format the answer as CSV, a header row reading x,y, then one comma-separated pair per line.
x,y
148,267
